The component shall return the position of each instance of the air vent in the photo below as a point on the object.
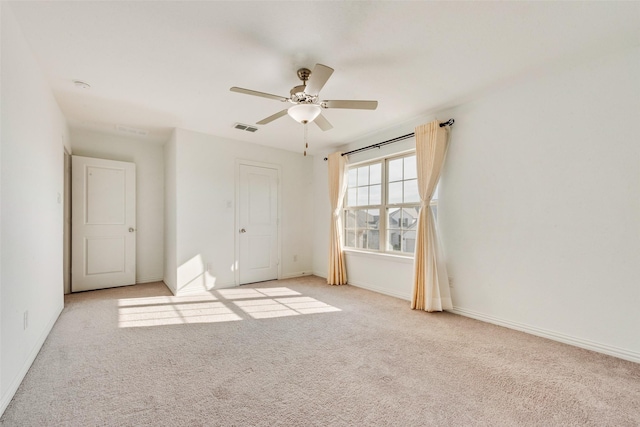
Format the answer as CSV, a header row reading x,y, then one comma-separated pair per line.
x,y
132,131
248,128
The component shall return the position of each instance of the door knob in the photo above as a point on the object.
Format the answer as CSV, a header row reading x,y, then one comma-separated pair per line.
x,y
242,230
131,229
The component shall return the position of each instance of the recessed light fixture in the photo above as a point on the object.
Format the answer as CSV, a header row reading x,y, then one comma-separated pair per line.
x,y
81,84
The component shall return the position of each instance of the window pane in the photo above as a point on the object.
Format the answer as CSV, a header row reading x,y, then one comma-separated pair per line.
x,y
363,196
373,239
395,170
394,217
361,239
360,217
410,170
408,241
395,192
413,212
351,197
365,219
401,241
353,174
351,219
375,195
363,176
375,173
374,219
394,240
411,191
435,193
409,218
350,239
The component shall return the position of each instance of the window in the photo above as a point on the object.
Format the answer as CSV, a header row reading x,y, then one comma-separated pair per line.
x,y
382,204
364,199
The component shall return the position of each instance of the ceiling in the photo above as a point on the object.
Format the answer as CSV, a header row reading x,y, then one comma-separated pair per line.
x,y
159,65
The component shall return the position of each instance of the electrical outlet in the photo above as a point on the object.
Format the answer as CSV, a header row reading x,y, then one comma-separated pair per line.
x,y
25,319
295,258
208,267
451,282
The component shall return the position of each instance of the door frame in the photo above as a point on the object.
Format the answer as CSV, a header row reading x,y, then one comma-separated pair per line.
x,y
243,162
126,277
66,225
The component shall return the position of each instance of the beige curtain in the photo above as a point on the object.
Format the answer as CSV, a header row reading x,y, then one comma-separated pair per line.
x,y
337,186
430,280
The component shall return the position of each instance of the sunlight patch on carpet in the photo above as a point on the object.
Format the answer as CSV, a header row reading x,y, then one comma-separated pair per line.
x,y
281,307
230,305
160,311
126,302
237,293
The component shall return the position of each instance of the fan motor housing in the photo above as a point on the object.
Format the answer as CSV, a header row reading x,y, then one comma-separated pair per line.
x,y
297,90
299,96
303,74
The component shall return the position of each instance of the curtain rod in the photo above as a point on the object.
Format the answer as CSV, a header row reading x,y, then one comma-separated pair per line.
x,y
391,141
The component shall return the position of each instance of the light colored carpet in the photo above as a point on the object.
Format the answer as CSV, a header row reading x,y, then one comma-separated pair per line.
x,y
298,352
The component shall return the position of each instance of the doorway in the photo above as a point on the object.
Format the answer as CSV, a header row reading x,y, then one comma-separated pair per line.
x,y
103,241
257,213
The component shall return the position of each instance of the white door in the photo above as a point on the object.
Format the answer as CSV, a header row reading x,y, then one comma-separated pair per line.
x,y
258,224
103,239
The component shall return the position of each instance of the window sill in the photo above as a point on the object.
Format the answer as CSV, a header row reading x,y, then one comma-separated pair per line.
x,y
403,259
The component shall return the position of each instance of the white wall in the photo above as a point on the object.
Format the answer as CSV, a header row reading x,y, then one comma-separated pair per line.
x,y
33,136
539,207
321,215
170,207
149,160
205,201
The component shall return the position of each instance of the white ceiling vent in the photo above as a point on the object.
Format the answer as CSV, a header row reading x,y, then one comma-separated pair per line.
x,y
132,131
248,128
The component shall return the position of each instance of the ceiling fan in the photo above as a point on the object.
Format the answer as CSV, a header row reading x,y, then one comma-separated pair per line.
x,y
307,105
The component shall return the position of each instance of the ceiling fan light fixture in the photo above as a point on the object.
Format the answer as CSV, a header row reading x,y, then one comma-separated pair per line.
x,y
304,113
305,99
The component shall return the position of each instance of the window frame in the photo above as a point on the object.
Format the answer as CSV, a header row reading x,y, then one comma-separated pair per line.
x,y
383,219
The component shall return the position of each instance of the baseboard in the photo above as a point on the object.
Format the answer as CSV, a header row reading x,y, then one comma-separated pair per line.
x,y
168,287
317,273
17,380
168,284
296,274
552,335
379,290
196,291
224,285
142,280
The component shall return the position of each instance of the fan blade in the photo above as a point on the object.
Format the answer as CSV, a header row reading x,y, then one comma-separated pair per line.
x,y
256,93
323,123
318,78
272,117
353,105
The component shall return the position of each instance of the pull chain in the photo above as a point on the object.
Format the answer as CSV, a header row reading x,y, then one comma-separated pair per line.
x,y
306,141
